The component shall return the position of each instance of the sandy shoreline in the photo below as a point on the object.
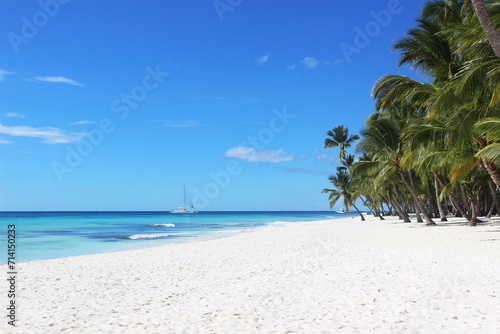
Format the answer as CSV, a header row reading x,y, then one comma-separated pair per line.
x,y
317,277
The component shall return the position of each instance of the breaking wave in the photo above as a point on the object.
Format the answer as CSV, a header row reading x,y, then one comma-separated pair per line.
x,y
161,225
147,236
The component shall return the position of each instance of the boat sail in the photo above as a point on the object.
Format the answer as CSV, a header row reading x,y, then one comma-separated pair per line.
x,y
184,209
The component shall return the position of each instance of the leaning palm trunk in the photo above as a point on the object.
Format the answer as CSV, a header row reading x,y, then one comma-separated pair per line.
x,y
402,213
428,220
454,201
459,207
473,220
371,207
383,209
400,217
376,211
492,171
417,213
487,24
432,203
493,189
440,207
492,207
360,214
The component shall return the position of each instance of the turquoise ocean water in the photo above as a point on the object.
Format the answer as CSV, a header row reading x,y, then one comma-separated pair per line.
x,y
51,235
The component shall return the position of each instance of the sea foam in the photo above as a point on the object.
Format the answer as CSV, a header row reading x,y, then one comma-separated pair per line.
x,y
161,225
147,236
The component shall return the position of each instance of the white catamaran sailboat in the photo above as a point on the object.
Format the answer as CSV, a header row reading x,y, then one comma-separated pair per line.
x,y
184,209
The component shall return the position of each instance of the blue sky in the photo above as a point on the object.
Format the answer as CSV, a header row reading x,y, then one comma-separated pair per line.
x,y
113,105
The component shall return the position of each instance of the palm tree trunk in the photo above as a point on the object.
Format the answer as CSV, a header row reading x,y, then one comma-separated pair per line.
x,y
360,214
487,24
365,204
390,209
399,215
473,219
440,207
432,202
454,201
376,211
491,182
401,212
428,220
492,170
467,205
417,213
492,207
383,210
494,194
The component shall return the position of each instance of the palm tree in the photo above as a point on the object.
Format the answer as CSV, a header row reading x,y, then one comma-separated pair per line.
x,y
487,24
342,188
339,137
382,138
490,128
376,190
446,48
444,129
347,163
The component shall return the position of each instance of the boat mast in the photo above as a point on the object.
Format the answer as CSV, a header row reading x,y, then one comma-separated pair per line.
x,y
185,206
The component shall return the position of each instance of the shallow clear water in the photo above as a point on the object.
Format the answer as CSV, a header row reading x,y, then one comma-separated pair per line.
x,y
51,235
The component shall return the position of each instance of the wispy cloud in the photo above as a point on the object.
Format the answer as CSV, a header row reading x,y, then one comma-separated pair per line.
x,y
250,154
82,123
262,60
310,62
57,80
3,74
291,67
182,124
49,135
14,114
3,141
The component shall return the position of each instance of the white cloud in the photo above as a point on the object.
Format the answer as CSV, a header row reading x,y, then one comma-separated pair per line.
x,y
262,60
250,154
57,80
14,114
291,67
3,141
49,135
3,74
310,62
324,157
82,123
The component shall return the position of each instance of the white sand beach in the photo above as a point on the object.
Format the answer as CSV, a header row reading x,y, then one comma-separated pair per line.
x,y
337,276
